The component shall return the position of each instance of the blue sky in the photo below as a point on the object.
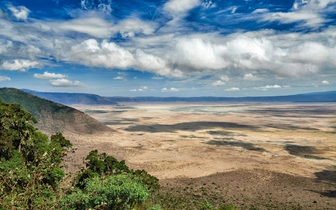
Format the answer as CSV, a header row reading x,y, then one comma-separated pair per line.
x,y
169,47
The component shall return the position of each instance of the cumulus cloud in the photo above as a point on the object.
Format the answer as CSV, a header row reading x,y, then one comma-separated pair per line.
x,y
141,89
105,54
179,9
170,90
218,83
232,89
66,83
268,87
4,78
325,82
251,77
19,65
198,54
20,12
47,75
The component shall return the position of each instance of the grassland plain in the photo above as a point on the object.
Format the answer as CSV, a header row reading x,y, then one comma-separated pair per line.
x,y
263,156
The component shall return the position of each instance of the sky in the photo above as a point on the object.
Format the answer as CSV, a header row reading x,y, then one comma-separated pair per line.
x,y
185,48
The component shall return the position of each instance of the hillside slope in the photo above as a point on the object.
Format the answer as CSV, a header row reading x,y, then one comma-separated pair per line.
x,y
72,98
53,117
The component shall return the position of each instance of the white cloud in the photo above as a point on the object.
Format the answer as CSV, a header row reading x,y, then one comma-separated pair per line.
x,y
119,78
20,12
232,89
155,64
19,65
198,54
251,77
101,28
208,4
234,8
218,83
179,9
260,11
93,26
47,75
157,78
170,90
141,89
268,87
131,27
310,19
325,82
102,5
4,78
224,78
106,54
307,13
66,83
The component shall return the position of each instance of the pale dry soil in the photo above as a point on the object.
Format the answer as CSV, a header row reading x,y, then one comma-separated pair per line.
x,y
250,154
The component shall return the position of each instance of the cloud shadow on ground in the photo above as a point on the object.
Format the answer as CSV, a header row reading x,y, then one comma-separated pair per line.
x,y
309,152
224,133
247,146
328,176
186,126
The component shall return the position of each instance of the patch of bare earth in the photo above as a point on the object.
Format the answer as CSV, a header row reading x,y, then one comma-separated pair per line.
x,y
265,156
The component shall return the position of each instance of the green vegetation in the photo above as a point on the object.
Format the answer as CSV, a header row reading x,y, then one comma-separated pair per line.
x,y
31,172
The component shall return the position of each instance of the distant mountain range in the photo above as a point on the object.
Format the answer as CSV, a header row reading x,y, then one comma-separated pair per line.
x,y
53,117
91,99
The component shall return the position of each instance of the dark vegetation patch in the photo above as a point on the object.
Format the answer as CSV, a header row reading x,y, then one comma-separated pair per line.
x,y
123,121
327,175
248,146
191,137
224,133
298,111
186,126
91,111
290,127
304,151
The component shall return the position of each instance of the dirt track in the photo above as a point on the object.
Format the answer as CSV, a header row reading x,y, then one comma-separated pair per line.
x,y
260,148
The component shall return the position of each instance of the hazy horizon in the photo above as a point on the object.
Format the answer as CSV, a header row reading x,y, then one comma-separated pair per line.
x,y
167,48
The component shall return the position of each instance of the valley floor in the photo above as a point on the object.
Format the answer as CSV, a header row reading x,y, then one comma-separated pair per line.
x,y
246,154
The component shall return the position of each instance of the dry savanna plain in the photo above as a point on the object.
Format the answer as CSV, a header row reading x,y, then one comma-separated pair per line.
x,y
262,156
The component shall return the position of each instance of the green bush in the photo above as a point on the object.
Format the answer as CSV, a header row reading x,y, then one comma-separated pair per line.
x,y
113,192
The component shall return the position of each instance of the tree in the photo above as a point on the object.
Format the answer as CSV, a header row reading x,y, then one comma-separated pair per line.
x,y
30,163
